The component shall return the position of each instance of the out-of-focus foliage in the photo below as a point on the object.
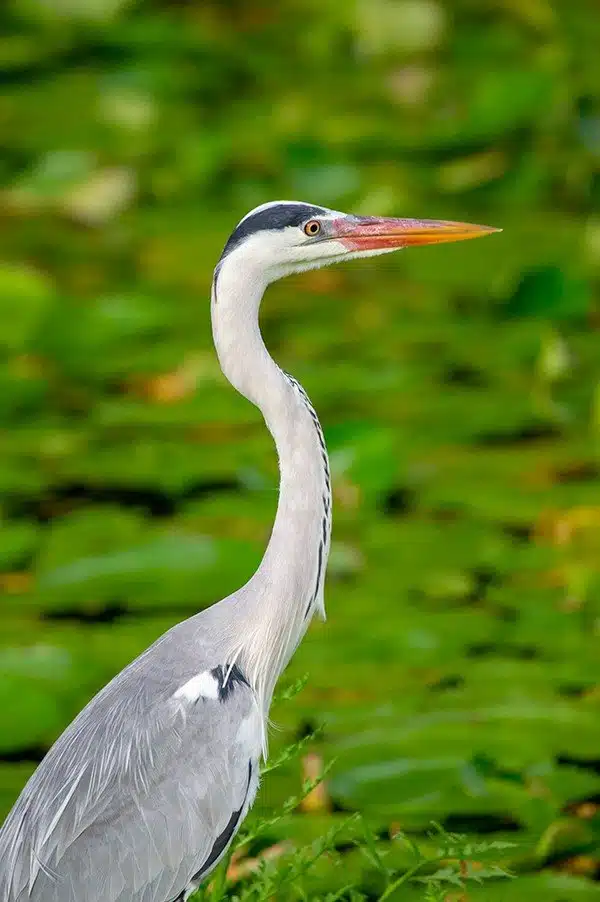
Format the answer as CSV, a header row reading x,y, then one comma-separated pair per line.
x,y
459,387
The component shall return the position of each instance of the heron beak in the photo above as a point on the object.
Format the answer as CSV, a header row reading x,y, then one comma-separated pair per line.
x,y
362,233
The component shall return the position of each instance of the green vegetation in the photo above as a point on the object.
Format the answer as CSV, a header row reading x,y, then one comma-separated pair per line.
x,y
457,679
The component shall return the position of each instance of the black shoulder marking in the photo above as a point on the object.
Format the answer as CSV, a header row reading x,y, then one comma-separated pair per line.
x,y
278,216
224,838
228,678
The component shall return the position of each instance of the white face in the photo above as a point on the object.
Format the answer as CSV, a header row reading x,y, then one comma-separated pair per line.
x,y
283,237
296,248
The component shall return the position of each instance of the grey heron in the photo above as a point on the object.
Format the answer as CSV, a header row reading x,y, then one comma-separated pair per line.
x,y
140,797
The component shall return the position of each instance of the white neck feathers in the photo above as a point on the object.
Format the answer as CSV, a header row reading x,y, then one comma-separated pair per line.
x,y
274,608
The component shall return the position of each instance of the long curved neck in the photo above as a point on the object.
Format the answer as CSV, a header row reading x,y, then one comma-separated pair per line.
x,y
274,608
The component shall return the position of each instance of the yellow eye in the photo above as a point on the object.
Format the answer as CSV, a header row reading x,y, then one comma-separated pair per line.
x,y
312,228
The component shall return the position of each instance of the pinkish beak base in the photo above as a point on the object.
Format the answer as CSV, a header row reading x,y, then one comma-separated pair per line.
x,y
375,233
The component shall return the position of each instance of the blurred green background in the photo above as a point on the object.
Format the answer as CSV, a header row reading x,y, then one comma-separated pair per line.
x,y
459,389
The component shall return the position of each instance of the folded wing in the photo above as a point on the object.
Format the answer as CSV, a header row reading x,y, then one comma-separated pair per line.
x,y
139,798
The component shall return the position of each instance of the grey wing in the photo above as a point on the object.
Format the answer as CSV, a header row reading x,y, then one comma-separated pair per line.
x,y
139,798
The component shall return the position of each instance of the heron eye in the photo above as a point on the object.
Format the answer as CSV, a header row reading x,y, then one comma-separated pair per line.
x,y
312,228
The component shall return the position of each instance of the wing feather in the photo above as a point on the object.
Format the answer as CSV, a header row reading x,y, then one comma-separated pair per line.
x,y
137,797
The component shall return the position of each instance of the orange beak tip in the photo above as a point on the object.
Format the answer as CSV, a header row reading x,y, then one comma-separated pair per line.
x,y
374,233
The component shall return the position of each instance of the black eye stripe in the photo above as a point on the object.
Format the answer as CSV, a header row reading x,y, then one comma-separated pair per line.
x,y
278,217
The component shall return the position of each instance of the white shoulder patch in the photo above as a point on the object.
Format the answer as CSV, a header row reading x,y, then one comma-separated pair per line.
x,y
203,685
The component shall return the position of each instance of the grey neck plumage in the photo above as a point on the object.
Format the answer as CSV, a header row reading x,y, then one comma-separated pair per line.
x,y
273,610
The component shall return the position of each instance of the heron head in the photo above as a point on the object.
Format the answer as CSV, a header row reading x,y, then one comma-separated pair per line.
x,y
283,237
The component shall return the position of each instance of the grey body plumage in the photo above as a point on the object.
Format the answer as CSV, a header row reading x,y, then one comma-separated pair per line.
x,y
140,797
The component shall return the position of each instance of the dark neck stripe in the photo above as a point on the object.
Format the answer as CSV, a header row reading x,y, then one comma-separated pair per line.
x,y
326,517
215,280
